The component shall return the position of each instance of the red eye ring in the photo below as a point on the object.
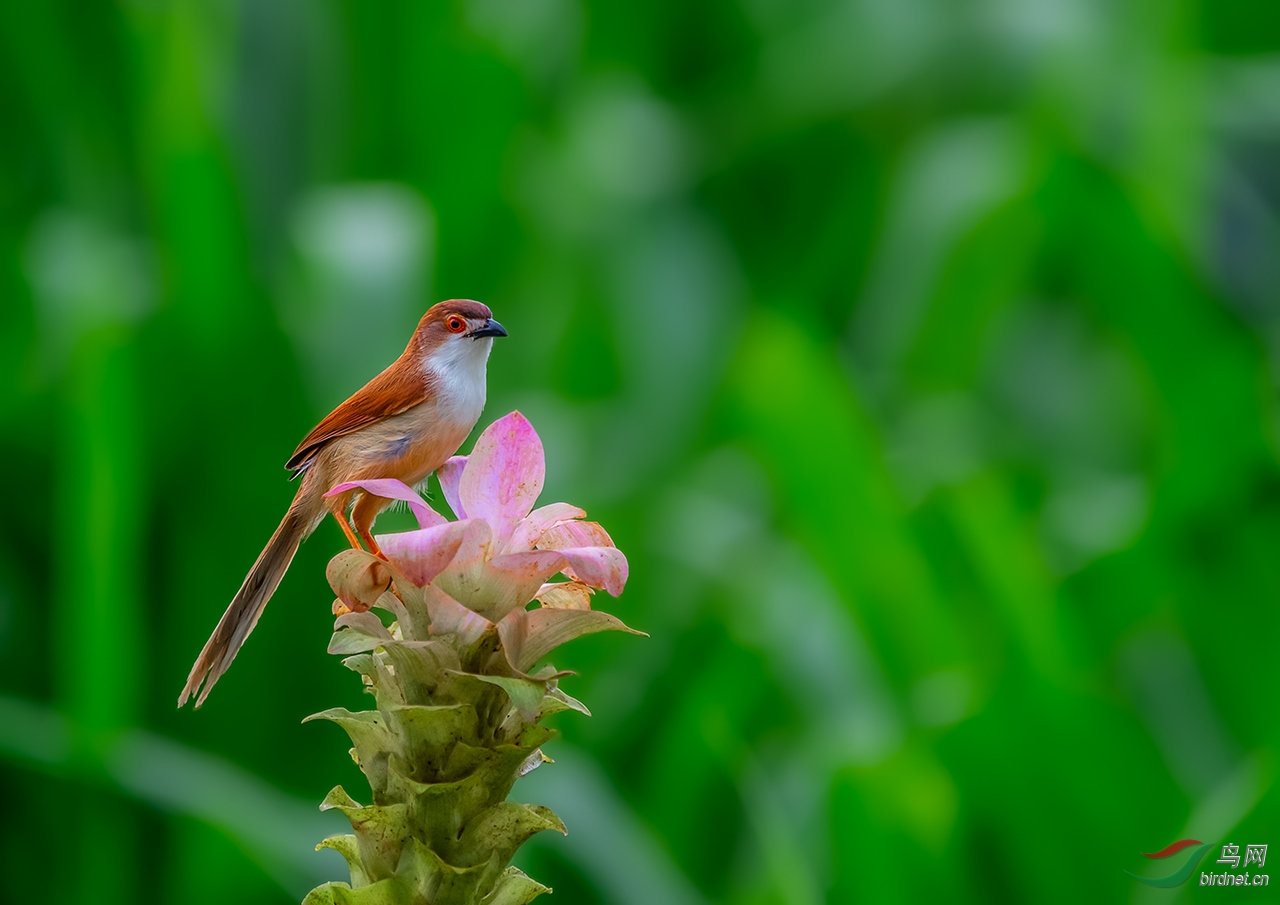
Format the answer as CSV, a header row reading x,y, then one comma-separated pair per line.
x,y
455,324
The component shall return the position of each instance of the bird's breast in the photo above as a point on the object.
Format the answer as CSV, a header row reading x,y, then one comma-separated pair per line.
x,y
411,444
407,446
458,383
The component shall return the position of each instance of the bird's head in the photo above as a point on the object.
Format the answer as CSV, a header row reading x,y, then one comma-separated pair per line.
x,y
456,336
458,321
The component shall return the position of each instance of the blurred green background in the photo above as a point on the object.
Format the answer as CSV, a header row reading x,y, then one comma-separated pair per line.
x,y
922,357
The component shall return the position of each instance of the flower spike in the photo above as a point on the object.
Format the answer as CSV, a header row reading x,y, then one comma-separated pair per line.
x,y
459,706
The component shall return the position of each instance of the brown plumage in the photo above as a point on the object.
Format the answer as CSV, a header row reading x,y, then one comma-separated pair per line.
x,y
405,423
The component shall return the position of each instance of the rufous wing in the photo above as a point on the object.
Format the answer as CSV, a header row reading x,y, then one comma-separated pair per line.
x,y
398,388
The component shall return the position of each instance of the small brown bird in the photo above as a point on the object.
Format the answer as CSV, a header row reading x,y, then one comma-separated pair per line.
x,y
405,423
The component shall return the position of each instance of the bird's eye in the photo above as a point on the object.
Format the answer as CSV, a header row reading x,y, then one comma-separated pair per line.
x,y
455,324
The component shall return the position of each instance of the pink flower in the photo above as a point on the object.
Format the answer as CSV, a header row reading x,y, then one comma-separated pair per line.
x,y
485,568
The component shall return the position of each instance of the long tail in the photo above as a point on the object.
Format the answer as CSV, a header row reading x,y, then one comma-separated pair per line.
x,y
242,615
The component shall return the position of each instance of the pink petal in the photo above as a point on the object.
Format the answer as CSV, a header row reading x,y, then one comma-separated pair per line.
x,y
391,489
568,534
449,474
423,554
600,567
496,587
450,617
528,531
465,574
504,473
475,549
519,576
523,566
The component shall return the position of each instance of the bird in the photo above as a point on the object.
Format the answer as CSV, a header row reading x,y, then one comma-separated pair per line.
x,y
405,423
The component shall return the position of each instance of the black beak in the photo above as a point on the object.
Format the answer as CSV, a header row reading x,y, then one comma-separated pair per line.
x,y
490,328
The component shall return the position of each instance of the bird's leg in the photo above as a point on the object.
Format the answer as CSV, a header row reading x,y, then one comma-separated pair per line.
x,y
367,536
340,608
346,529
363,513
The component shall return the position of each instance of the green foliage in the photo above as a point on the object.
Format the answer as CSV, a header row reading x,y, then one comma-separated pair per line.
x,y
921,356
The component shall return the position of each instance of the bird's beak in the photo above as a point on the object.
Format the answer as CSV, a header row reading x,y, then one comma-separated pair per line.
x,y
490,328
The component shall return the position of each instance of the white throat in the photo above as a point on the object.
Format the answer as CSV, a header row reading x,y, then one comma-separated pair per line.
x,y
459,368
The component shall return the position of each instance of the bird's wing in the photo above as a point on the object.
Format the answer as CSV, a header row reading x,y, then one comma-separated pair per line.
x,y
395,390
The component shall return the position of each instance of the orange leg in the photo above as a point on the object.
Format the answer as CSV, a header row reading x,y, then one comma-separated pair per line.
x,y
372,544
363,513
346,529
